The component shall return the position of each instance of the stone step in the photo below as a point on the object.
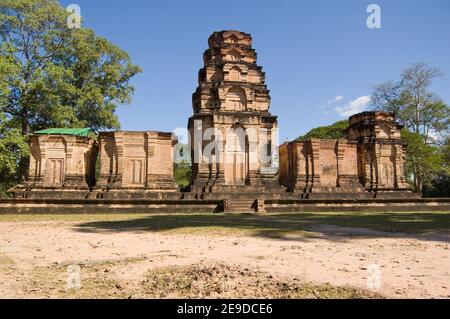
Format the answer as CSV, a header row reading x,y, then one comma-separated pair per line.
x,y
240,206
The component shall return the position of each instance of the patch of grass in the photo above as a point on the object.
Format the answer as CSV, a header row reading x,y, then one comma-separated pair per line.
x,y
70,218
403,222
214,224
51,282
277,225
4,260
265,225
97,280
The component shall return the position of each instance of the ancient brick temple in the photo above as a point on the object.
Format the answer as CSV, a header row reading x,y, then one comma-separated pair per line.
x,y
234,151
368,162
231,109
131,165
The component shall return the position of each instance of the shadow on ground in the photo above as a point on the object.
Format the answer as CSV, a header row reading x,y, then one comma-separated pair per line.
x,y
332,226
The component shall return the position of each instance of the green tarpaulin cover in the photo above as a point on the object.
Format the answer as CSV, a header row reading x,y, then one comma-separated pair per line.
x,y
68,131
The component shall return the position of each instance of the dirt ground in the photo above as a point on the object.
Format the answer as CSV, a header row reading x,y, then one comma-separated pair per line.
x,y
43,259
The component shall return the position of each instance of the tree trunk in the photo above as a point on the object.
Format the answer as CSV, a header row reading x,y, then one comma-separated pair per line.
x,y
420,187
417,180
24,161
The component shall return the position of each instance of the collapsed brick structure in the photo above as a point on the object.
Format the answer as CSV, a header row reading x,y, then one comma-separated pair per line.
x,y
368,162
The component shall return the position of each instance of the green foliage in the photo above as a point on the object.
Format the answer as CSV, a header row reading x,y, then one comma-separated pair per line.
x,y
438,187
13,147
423,161
422,112
183,173
446,152
334,131
410,98
54,76
440,184
182,165
182,153
59,77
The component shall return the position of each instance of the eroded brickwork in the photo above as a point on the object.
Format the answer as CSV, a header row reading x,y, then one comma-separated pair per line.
x,y
231,96
234,159
381,150
117,165
136,160
371,158
61,161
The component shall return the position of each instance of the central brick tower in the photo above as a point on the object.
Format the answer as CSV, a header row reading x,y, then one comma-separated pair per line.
x,y
231,116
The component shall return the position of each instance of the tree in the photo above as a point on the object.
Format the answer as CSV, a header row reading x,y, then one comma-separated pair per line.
x,y
57,76
336,130
440,184
438,187
419,109
13,147
446,152
423,161
13,144
425,116
182,165
183,173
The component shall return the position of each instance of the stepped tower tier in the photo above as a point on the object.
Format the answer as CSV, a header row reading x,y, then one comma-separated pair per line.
x,y
230,79
232,97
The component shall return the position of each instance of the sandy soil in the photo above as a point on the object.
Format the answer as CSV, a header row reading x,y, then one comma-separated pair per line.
x,y
409,266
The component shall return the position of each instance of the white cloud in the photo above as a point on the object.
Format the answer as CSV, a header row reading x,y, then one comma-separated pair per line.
x,y
353,107
334,100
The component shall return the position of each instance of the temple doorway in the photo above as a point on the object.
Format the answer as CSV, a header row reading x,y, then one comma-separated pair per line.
x,y
237,157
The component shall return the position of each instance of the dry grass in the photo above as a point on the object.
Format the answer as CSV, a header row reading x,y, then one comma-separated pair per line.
x,y
230,281
193,281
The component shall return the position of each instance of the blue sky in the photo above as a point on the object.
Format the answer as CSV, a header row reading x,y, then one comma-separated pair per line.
x,y
320,59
